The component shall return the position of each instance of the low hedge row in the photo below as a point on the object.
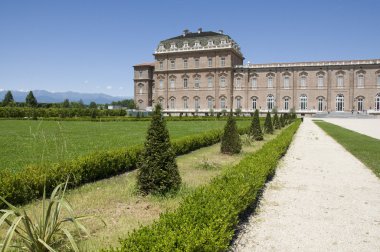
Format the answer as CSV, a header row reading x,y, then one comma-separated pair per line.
x,y
27,184
206,219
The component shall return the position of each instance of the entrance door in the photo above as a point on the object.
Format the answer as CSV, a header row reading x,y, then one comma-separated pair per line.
x,y
339,106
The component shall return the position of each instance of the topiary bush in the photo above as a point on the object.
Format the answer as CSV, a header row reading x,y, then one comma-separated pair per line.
x,y
282,120
255,130
158,170
276,121
268,126
231,143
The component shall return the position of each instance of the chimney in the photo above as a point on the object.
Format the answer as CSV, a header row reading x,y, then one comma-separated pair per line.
x,y
221,31
185,32
199,30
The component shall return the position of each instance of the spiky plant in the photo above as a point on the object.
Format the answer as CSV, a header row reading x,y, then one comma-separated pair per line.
x,y
268,126
231,143
255,130
47,232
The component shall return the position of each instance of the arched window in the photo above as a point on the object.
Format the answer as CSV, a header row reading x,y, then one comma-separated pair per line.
x,y
161,100
270,81
141,87
223,102
340,81
254,103
161,84
172,83
196,102
339,102
303,83
185,83
209,82
172,103
238,102
197,82
238,83
320,104
286,103
270,102
377,102
210,102
360,80
303,102
141,103
286,82
254,83
222,82
360,104
185,102
320,81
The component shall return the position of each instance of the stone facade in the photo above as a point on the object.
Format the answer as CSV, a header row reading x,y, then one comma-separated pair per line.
x,y
204,71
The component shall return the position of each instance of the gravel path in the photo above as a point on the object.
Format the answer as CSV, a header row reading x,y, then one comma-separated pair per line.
x,y
321,199
369,127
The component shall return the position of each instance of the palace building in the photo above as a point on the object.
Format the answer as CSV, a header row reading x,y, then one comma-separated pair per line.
x,y
204,72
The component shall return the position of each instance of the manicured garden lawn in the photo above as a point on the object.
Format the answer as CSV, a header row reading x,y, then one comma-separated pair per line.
x,y
23,142
365,148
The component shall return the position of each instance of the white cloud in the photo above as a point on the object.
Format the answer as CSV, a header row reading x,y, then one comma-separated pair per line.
x,y
109,87
1,89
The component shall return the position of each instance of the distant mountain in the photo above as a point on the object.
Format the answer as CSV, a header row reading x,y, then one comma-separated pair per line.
x,y
44,96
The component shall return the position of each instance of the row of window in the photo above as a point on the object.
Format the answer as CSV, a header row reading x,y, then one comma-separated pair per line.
x,y
196,44
270,103
172,65
197,82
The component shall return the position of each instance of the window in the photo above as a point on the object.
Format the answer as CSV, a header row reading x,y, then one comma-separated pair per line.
x,y
161,66
377,102
360,81
222,61
254,83
286,82
172,83
340,81
286,103
339,103
185,83
185,44
209,82
185,105
196,102
378,81
238,102
210,103
320,81
160,100
209,62
223,103
238,83
141,88
320,104
196,82
185,63
360,104
172,103
270,82
196,62
196,44
162,47
210,43
303,102
222,82
303,81
254,103
140,74
223,42
161,84
172,46
270,102
172,64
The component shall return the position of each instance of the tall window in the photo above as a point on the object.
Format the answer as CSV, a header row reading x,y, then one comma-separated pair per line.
x,y
286,82
209,82
340,81
254,83
210,43
303,102
339,103
254,103
172,64
209,62
161,83
270,102
270,82
320,81
360,81
222,61
238,102
223,103
172,83
286,103
196,102
196,62
303,81
185,83
238,83
196,82
185,105
377,102
222,82
140,74
320,104
172,103
210,103
161,65
360,104
196,44
141,88
185,65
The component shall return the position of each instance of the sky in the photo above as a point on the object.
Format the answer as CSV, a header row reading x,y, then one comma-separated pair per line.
x,y
91,46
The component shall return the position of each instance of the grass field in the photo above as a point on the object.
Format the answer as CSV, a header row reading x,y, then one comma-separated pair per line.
x,y
26,142
365,148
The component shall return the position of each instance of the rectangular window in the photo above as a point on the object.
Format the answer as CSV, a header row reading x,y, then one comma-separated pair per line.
x,y
286,104
172,85
184,63
185,103
172,64
209,62
320,81
222,61
161,84
303,81
286,82
209,82
197,82
320,104
270,82
196,103
196,63
161,65
254,103
222,82
360,81
185,83
209,103
223,103
238,83
140,74
340,81
238,102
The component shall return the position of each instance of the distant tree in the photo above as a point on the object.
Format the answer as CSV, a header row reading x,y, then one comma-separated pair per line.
x,y
255,130
276,121
231,143
268,126
93,105
128,103
30,100
81,104
8,99
158,171
66,103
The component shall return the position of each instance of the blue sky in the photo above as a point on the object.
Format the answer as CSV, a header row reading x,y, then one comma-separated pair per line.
x,y
91,46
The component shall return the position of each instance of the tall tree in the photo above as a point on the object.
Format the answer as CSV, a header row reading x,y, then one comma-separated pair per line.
x,y
66,103
8,99
255,130
268,126
30,100
158,171
93,105
231,143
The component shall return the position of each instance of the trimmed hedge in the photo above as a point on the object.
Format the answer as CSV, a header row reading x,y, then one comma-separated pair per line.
x,y
206,219
25,185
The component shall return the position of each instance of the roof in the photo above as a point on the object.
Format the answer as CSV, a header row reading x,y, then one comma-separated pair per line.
x,y
197,35
145,64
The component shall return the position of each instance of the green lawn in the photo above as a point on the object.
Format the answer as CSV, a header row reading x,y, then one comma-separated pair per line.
x,y
365,148
25,142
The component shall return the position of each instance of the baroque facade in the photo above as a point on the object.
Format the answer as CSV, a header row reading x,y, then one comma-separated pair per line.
x,y
204,72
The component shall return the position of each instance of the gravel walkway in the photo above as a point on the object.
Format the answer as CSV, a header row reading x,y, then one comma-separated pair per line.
x,y
321,199
369,127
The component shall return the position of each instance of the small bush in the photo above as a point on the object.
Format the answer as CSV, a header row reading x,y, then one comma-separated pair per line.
x,y
268,126
255,130
231,143
276,121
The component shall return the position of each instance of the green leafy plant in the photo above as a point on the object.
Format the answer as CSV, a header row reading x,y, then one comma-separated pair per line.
x,y
47,232
268,126
255,130
231,143
207,165
282,120
276,121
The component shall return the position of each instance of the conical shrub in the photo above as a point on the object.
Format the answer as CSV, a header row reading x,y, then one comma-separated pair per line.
x,y
158,171
255,130
231,143
282,120
268,126
276,121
